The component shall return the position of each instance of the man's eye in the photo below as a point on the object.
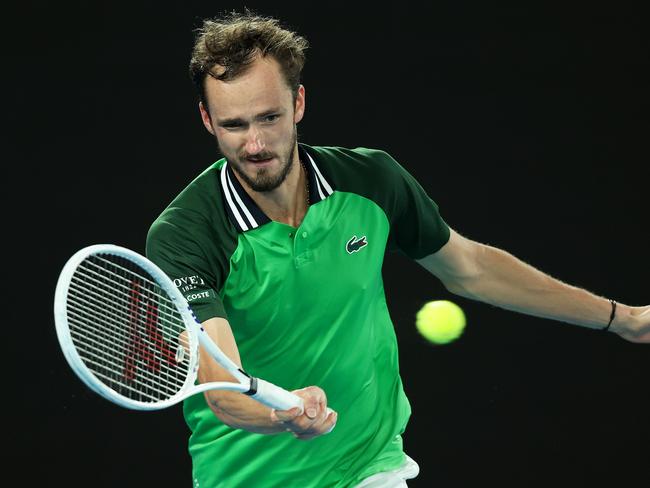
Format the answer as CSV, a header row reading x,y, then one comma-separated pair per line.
x,y
271,118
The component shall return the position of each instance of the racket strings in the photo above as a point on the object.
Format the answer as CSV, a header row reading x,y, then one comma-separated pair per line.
x,y
119,366
132,350
127,330
103,268
92,287
93,345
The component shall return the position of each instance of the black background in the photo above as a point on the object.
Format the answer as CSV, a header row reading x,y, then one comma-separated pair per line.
x,y
528,126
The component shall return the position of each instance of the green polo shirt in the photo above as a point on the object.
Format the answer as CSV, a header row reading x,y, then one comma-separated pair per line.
x,y
306,306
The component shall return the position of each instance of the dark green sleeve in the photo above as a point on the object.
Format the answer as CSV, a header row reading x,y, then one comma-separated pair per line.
x,y
172,248
417,228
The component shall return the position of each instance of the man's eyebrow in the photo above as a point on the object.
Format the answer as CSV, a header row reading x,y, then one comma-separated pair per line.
x,y
240,121
233,121
272,111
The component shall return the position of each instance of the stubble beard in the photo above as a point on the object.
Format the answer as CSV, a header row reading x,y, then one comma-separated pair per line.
x,y
264,181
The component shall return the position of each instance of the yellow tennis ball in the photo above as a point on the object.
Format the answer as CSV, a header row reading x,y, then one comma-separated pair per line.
x,y
440,321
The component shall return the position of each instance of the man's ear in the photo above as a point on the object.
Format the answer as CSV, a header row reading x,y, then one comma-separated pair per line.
x,y
205,117
299,109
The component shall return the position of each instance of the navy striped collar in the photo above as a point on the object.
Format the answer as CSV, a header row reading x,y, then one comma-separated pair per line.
x,y
244,212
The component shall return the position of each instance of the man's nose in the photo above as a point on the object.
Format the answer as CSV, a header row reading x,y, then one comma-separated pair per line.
x,y
254,140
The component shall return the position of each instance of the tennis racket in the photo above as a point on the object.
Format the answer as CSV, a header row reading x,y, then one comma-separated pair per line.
x,y
130,335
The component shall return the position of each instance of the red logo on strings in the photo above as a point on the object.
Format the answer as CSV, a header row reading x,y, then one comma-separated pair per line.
x,y
140,347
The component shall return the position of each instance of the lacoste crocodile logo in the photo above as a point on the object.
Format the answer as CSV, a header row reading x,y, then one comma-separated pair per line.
x,y
355,245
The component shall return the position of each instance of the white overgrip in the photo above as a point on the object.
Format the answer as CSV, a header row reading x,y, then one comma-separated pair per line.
x,y
275,397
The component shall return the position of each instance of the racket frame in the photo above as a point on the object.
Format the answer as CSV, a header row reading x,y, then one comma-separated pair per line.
x,y
195,334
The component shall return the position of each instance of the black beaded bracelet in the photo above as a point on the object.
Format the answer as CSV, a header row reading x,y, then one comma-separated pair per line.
x,y
611,317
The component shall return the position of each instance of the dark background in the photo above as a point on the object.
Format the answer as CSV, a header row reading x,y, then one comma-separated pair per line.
x,y
528,126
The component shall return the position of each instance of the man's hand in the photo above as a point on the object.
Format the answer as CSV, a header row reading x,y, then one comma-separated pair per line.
x,y
635,327
315,420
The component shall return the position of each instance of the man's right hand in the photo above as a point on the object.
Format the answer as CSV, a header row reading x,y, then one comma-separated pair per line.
x,y
314,420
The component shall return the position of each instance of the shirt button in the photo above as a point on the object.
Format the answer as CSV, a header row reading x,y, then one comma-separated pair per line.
x,y
304,235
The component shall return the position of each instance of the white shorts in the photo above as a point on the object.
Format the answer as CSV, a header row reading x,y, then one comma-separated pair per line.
x,y
392,479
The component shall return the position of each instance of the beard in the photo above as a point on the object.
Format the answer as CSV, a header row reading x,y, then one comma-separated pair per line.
x,y
264,180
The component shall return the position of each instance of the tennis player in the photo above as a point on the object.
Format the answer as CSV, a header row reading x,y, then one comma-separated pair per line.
x,y
279,246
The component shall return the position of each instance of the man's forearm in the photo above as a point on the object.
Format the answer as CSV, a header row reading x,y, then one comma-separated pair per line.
x,y
505,281
241,412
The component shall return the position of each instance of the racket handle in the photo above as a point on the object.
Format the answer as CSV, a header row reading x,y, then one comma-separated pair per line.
x,y
275,397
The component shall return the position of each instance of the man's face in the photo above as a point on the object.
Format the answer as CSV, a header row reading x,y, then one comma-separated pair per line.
x,y
254,120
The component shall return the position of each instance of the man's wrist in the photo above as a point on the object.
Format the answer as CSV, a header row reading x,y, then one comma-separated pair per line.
x,y
622,318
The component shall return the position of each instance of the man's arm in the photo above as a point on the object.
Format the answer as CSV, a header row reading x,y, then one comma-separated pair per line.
x,y
485,273
240,411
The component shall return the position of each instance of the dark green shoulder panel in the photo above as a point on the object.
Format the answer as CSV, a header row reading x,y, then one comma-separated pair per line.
x,y
192,241
417,229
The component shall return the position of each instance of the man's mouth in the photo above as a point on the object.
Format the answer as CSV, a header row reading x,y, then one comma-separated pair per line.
x,y
259,161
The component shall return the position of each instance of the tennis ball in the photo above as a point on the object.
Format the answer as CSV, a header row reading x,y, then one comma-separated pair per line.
x,y
440,321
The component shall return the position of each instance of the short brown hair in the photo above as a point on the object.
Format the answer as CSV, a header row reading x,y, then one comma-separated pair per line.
x,y
234,40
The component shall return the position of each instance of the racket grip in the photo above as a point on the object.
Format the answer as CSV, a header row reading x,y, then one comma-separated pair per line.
x,y
275,397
